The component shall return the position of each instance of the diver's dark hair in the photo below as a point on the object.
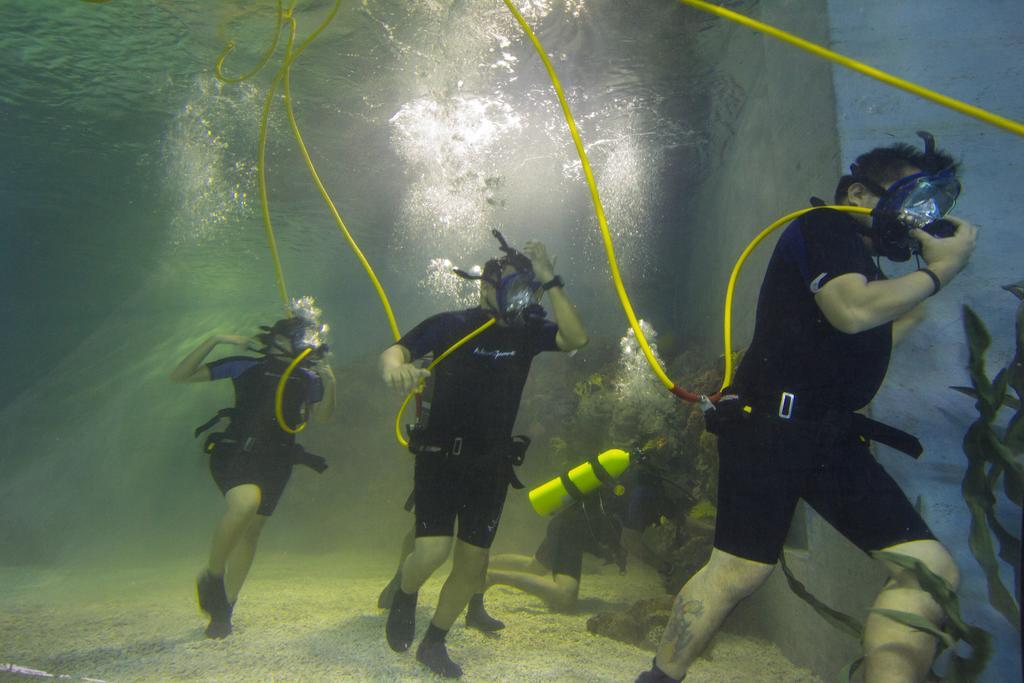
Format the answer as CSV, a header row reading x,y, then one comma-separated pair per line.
x,y
286,327
884,165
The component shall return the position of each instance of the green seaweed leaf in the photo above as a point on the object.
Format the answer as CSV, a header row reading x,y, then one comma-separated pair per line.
x,y
847,672
962,670
1007,401
968,669
1009,548
978,341
840,620
1014,437
919,623
980,502
933,584
998,454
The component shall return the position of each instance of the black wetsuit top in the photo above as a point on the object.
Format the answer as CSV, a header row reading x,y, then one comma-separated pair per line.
x,y
795,349
255,382
477,389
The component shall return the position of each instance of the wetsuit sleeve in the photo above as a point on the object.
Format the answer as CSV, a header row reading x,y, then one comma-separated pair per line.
x,y
825,247
230,367
543,337
427,336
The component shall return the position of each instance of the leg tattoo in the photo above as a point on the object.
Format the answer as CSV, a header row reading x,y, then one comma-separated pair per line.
x,y
678,632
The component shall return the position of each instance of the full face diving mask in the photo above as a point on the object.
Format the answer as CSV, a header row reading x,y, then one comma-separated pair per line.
x,y
302,334
919,201
516,295
516,292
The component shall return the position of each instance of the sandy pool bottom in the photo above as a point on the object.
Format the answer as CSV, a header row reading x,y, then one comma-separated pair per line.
x,y
314,618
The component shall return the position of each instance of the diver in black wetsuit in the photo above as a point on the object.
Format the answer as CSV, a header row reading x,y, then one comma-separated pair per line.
x,y
465,452
251,460
607,524
826,321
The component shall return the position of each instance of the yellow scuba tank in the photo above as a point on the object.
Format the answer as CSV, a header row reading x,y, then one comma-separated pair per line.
x,y
549,498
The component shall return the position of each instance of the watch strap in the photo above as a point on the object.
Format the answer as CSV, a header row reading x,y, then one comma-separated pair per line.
x,y
556,281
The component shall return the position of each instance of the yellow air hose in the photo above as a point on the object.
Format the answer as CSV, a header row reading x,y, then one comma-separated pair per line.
x,y
599,213
334,210
218,68
282,75
279,394
727,378
451,349
888,79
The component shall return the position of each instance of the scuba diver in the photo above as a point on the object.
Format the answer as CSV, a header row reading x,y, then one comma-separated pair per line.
x,y
465,451
607,523
787,428
251,460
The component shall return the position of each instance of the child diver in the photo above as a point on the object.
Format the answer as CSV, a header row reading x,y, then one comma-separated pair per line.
x,y
251,460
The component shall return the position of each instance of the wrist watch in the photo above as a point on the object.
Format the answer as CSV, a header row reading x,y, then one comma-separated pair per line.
x,y
556,281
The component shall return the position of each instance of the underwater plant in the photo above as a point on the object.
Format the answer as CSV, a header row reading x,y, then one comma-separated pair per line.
x,y
954,629
994,454
993,458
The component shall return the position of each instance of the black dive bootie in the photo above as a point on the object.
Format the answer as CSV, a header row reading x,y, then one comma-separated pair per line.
x,y
388,594
478,618
213,600
656,675
221,628
401,625
433,652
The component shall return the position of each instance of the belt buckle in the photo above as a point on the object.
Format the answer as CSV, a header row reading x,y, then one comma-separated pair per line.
x,y
457,446
786,405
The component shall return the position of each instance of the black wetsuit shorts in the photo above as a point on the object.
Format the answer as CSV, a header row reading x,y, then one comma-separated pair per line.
x,y
767,465
268,468
568,536
468,487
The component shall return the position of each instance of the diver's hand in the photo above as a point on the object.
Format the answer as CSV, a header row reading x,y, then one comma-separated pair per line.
x,y
543,265
405,377
323,369
235,339
947,256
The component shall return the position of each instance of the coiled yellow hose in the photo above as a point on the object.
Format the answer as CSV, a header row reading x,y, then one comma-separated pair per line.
x,y
451,349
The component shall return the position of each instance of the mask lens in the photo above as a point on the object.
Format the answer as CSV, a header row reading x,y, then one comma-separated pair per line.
x,y
515,293
928,199
299,341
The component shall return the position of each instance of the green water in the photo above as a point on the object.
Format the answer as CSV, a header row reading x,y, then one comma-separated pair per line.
x,y
132,232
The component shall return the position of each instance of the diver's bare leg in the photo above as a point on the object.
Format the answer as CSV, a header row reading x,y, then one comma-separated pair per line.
x,y
240,560
388,594
893,652
469,567
559,592
408,543
516,563
429,553
243,502
702,605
